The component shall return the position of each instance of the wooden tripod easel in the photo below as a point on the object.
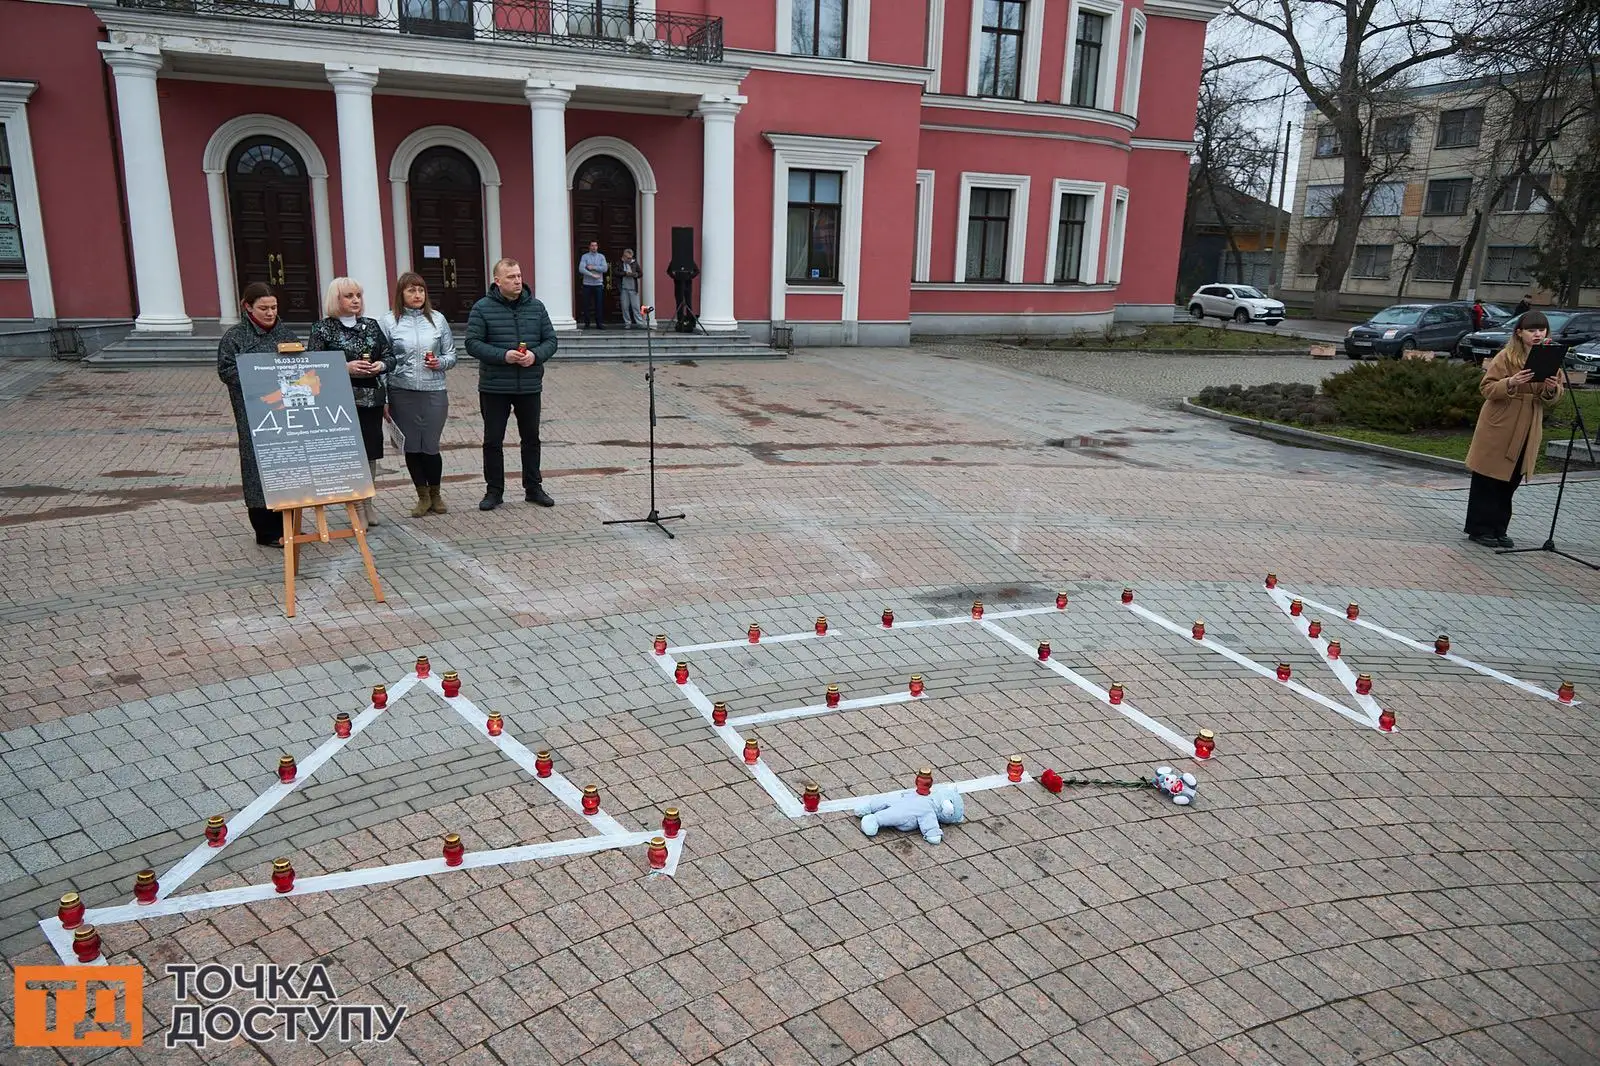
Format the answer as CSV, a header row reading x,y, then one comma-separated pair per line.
x,y
293,538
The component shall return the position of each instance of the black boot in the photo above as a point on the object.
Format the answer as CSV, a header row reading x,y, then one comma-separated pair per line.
x,y
268,526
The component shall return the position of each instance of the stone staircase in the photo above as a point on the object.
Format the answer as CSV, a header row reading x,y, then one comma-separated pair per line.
x,y
612,344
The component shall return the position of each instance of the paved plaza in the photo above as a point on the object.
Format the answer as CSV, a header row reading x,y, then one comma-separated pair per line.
x,y
1337,893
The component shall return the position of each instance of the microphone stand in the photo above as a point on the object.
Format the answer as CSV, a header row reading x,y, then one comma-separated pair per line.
x,y
1549,544
655,517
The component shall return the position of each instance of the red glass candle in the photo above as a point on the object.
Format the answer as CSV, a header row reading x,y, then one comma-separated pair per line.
x,y
1044,650
216,830
754,633
1314,629
1204,744
1061,601
917,687
832,698
423,667
924,781
495,724
71,910
657,853
1441,645
452,683
286,769
543,764
977,608
1386,720
1363,684
822,624
145,887
591,799
1115,692
1352,612
1272,581
282,875
86,944
888,618
1566,692
1127,595
719,714
811,798
1334,649
380,696
670,822
454,850
522,346
1198,630
752,750
681,674
341,724
661,644
1283,671
1296,607
1014,768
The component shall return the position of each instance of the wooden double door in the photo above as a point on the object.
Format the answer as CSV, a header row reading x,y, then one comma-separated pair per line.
x,y
604,210
274,232
446,194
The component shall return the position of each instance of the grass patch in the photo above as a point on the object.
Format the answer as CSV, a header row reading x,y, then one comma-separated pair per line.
x,y
1178,336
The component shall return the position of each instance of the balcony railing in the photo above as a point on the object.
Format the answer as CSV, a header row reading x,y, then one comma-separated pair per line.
x,y
592,25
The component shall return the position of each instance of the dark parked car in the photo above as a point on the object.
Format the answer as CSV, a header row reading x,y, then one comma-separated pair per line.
x,y
1409,327
1567,326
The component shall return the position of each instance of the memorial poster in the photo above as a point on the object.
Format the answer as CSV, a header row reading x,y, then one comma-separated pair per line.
x,y
302,417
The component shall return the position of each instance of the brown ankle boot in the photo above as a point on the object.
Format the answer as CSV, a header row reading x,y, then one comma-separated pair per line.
x,y
436,499
424,502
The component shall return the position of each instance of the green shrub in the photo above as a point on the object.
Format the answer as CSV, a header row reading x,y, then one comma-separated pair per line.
x,y
1283,402
1405,395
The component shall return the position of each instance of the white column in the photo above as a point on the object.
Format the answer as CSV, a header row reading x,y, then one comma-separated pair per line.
x,y
491,225
717,213
144,164
222,248
358,181
552,223
399,204
647,250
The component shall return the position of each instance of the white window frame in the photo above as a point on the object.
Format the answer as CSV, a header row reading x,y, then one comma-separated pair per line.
x,y
1032,49
19,141
935,53
1016,232
1096,191
922,269
847,155
1110,52
1117,241
1133,80
857,29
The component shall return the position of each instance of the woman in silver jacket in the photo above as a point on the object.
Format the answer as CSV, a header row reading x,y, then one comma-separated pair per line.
x,y
424,348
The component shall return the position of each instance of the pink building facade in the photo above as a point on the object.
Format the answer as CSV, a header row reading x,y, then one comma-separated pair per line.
x,y
862,171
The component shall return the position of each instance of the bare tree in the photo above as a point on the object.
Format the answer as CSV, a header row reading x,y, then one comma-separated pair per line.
x,y
1230,156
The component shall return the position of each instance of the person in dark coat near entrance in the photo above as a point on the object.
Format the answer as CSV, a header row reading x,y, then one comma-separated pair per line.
x,y
259,331
509,333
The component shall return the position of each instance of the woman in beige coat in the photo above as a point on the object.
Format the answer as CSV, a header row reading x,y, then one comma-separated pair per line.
x,y
1505,444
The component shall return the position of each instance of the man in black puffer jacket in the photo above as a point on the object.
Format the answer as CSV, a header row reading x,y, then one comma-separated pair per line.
x,y
510,335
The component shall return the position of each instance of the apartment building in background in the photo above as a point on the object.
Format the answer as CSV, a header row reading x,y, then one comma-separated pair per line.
x,y
1436,149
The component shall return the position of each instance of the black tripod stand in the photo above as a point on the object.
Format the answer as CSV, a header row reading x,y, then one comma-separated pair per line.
x,y
1549,544
655,517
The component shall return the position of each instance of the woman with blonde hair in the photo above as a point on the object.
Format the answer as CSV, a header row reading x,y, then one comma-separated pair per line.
x,y
1505,444
367,358
424,348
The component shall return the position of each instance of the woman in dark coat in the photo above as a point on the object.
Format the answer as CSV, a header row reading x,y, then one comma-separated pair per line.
x,y
260,331
367,355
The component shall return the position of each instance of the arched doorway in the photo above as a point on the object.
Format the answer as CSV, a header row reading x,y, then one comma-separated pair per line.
x,y
446,194
604,209
269,201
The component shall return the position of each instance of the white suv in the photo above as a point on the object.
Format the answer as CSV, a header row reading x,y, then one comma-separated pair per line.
x,y
1242,303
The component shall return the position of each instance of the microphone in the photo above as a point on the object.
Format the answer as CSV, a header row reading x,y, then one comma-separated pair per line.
x,y
647,310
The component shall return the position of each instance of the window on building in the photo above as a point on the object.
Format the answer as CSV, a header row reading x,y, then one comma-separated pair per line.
x,y
814,199
10,221
1086,58
1387,199
585,18
1510,263
1435,262
1119,233
1320,200
1371,261
1540,122
1523,194
988,227
1000,54
1135,79
1069,237
819,28
1447,196
1327,142
1392,134
1309,256
1460,127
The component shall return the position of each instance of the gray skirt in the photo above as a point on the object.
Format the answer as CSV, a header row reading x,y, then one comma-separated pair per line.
x,y
420,416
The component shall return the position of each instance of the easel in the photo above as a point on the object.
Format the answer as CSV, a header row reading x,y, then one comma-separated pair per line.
x,y
293,538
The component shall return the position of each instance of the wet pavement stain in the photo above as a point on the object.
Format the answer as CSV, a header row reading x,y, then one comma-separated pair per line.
x,y
740,400
28,492
138,473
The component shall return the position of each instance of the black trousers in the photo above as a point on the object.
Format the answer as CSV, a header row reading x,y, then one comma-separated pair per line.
x,y
594,304
267,524
1489,505
497,408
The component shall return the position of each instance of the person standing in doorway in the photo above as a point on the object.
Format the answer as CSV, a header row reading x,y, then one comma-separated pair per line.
x,y
628,273
592,269
424,348
366,357
509,334
259,331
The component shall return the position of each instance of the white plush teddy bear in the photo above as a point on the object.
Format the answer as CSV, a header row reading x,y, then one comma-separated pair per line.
x,y
1181,788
